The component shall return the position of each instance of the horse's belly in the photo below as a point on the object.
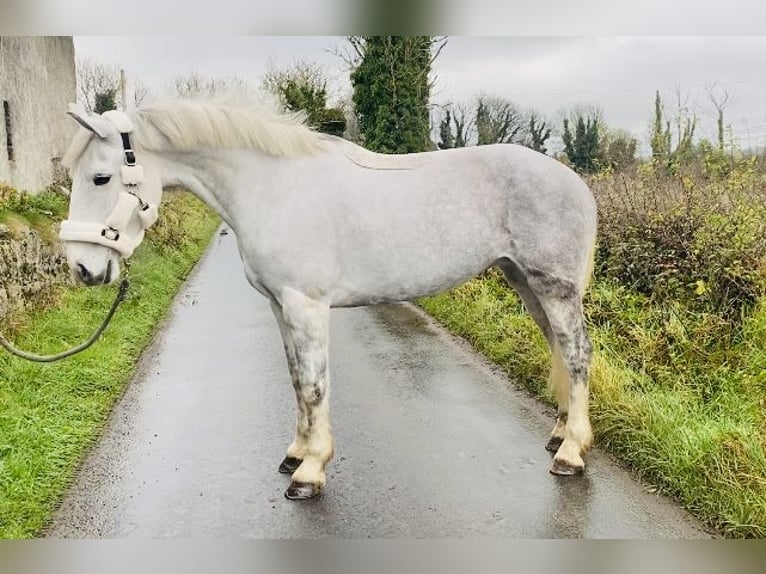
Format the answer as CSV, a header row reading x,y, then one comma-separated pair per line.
x,y
388,285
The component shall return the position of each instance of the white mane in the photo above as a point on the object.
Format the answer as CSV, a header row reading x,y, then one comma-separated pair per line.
x,y
217,124
193,124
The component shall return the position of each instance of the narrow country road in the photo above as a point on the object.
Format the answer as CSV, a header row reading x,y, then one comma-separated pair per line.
x,y
430,441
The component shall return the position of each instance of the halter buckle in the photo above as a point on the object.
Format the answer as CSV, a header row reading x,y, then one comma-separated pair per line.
x,y
110,233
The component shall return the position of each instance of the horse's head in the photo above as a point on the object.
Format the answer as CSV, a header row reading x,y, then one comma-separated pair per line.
x,y
112,201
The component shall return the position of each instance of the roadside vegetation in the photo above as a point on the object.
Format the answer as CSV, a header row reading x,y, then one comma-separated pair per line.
x,y
51,413
22,210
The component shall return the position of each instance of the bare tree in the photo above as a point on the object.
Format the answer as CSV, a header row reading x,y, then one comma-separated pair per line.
x,y
686,124
721,97
302,87
577,110
276,80
499,120
345,103
618,149
96,81
194,85
190,85
139,92
456,126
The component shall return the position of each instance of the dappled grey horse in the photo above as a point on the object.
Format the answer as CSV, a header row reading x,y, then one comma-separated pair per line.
x,y
322,223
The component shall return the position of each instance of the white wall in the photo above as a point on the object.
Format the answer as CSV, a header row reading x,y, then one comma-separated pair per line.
x,y
37,79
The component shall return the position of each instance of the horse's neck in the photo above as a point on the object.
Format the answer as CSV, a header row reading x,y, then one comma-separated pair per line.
x,y
208,175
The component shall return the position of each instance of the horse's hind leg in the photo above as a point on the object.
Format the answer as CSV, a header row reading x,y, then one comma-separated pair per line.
x,y
307,323
297,449
562,302
558,380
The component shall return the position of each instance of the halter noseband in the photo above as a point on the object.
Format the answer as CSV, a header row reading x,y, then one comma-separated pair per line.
x,y
114,232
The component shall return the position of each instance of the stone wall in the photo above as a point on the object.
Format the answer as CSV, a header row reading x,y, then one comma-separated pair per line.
x,y
37,81
29,266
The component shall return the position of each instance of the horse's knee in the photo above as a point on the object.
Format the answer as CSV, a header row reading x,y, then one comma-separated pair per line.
x,y
313,393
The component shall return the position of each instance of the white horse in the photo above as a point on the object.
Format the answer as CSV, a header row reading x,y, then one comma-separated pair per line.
x,y
322,223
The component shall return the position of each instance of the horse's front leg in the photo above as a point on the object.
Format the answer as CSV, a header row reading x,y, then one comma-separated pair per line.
x,y
297,449
307,325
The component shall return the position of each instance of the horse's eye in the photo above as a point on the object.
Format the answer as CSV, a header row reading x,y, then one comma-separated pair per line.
x,y
102,179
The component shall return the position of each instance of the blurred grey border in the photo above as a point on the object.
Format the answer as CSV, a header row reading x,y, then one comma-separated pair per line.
x,y
464,17
332,17
373,557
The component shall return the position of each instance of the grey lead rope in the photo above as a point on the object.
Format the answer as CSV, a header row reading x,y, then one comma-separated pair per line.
x,y
50,358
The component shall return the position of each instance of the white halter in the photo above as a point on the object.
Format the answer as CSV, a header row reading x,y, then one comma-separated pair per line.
x,y
113,233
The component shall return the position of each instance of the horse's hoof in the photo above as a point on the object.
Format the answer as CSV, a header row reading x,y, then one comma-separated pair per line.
x,y
554,443
563,468
302,490
289,465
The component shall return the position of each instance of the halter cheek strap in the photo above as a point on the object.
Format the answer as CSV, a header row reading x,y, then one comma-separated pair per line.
x,y
130,204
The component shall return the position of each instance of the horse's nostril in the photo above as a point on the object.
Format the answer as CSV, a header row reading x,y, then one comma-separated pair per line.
x,y
82,273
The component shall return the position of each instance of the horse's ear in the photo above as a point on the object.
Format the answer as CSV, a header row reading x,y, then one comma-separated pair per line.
x,y
91,123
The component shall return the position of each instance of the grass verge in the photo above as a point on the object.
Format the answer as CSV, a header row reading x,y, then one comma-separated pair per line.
x,y
50,414
686,414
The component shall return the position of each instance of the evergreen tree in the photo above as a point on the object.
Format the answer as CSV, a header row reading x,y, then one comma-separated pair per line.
x,y
105,101
566,137
584,148
446,138
391,92
538,133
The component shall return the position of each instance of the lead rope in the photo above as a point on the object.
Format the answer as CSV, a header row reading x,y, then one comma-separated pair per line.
x,y
121,294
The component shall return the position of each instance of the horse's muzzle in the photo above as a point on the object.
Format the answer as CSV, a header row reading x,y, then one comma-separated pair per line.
x,y
82,273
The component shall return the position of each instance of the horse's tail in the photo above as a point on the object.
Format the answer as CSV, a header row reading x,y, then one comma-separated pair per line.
x,y
588,277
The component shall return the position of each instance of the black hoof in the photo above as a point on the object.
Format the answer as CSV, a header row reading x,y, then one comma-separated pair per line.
x,y
302,491
561,468
554,444
289,465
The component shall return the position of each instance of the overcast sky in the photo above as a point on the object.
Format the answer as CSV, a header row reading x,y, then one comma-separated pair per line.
x,y
619,74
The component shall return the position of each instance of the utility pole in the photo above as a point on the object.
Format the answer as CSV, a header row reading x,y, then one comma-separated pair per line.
x,y
122,90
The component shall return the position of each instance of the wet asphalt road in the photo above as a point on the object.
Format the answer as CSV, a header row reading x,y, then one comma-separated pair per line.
x,y
430,441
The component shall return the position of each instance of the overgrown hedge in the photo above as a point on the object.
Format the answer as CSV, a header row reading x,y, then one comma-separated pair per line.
x,y
698,238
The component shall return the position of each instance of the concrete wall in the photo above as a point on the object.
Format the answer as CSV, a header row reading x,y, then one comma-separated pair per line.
x,y
37,79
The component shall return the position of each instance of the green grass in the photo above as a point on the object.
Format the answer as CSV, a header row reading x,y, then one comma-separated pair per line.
x,y
676,395
22,210
50,414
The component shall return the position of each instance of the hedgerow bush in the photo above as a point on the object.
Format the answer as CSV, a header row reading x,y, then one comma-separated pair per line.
x,y
697,237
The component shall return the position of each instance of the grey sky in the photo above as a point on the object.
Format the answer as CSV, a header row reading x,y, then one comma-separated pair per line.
x,y
619,74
